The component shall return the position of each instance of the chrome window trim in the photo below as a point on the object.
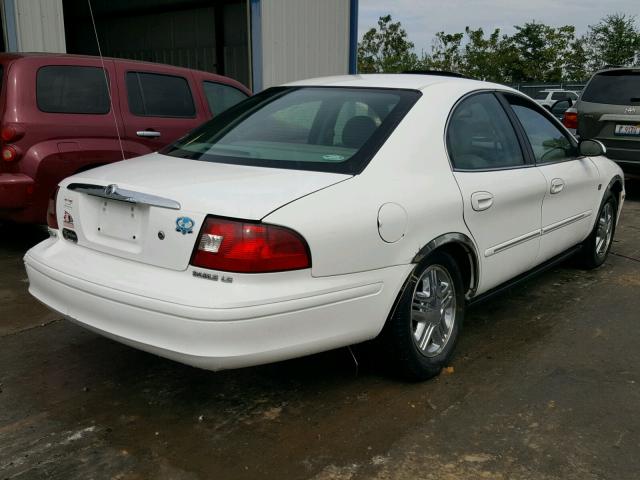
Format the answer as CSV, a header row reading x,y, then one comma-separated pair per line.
x,y
113,192
467,95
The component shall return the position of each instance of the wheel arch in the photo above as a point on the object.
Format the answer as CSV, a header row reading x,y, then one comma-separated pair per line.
x,y
616,186
463,250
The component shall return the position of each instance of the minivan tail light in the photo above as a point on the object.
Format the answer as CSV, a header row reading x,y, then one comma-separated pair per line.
x,y
8,133
570,119
247,247
9,153
52,217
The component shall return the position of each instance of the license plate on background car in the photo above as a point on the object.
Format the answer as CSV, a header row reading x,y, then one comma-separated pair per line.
x,y
630,130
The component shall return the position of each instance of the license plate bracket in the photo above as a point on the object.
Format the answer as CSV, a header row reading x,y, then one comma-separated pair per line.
x,y
120,220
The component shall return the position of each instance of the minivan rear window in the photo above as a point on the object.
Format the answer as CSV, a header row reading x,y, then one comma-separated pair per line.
x,y
72,89
614,88
331,129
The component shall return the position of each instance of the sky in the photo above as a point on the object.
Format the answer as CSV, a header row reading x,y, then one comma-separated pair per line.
x,y
423,18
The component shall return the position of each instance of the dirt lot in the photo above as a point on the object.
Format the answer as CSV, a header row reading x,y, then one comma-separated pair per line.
x,y
545,385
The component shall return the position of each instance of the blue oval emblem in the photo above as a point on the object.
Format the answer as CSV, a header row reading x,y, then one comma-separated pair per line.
x,y
184,225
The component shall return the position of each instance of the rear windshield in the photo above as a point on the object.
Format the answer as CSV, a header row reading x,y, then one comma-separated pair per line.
x,y
330,129
614,88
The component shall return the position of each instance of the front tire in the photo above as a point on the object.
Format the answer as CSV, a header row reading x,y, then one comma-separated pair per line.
x,y
421,334
595,248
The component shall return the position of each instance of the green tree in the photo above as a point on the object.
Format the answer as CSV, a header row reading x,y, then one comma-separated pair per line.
x,y
576,67
446,53
483,57
538,52
386,49
615,40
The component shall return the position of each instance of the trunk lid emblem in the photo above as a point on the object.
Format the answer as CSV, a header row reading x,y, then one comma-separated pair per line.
x,y
184,225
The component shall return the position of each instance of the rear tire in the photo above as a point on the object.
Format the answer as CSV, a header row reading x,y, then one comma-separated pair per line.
x,y
420,336
595,248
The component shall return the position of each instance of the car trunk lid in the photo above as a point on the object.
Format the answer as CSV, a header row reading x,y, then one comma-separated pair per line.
x,y
150,209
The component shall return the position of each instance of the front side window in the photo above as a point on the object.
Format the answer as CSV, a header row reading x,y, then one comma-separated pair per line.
x,y
220,96
314,128
72,89
157,95
481,137
548,142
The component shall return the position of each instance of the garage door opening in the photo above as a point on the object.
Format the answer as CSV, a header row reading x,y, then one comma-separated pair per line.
x,y
203,35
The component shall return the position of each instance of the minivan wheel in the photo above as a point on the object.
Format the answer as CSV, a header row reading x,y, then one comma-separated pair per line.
x,y
595,248
422,332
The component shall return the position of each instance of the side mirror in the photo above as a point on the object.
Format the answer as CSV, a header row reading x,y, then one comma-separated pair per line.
x,y
561,106
591,148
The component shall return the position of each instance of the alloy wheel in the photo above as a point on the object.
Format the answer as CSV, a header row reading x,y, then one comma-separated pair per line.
x,y
433,310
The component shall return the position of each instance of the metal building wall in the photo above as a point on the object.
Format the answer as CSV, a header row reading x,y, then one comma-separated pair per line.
x,y
34,25
303,39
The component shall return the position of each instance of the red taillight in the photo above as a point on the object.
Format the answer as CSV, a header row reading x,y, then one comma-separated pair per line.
x,y
570,119
9,153
52,217
8,133
243,247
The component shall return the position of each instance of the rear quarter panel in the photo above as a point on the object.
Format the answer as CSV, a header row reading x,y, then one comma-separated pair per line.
x,y
340,223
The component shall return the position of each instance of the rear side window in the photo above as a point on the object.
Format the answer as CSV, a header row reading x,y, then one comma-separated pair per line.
x,y
72,89
540,95
480,135
220,96
157,95
614,88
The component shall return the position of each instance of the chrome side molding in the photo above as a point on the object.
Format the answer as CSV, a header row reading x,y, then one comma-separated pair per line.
x,y
113,192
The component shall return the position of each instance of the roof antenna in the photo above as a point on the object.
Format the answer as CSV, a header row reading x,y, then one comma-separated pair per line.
x,y
106,79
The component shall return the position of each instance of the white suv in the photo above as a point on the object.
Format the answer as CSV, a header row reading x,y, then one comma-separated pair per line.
x,y
548,97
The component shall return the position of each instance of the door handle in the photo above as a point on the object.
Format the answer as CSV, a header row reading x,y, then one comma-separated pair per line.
x,y
148,133
557,185
481,201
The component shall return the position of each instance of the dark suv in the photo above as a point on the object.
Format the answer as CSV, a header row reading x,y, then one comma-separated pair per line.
x,y
609,111
57,119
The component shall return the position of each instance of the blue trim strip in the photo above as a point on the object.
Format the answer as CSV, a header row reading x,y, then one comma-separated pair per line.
x,y
353,37
256,46
11,34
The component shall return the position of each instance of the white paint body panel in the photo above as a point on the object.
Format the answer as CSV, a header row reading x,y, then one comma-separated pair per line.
x,y
213,325
515,213
144,294
577,203
200,187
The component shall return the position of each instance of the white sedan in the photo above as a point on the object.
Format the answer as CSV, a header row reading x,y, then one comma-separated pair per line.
x,y
324,213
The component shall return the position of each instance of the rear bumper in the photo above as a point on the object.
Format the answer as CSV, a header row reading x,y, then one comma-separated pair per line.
x,y
322,314
15,190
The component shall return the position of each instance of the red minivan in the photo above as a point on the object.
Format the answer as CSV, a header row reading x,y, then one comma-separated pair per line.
x,y
57,118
